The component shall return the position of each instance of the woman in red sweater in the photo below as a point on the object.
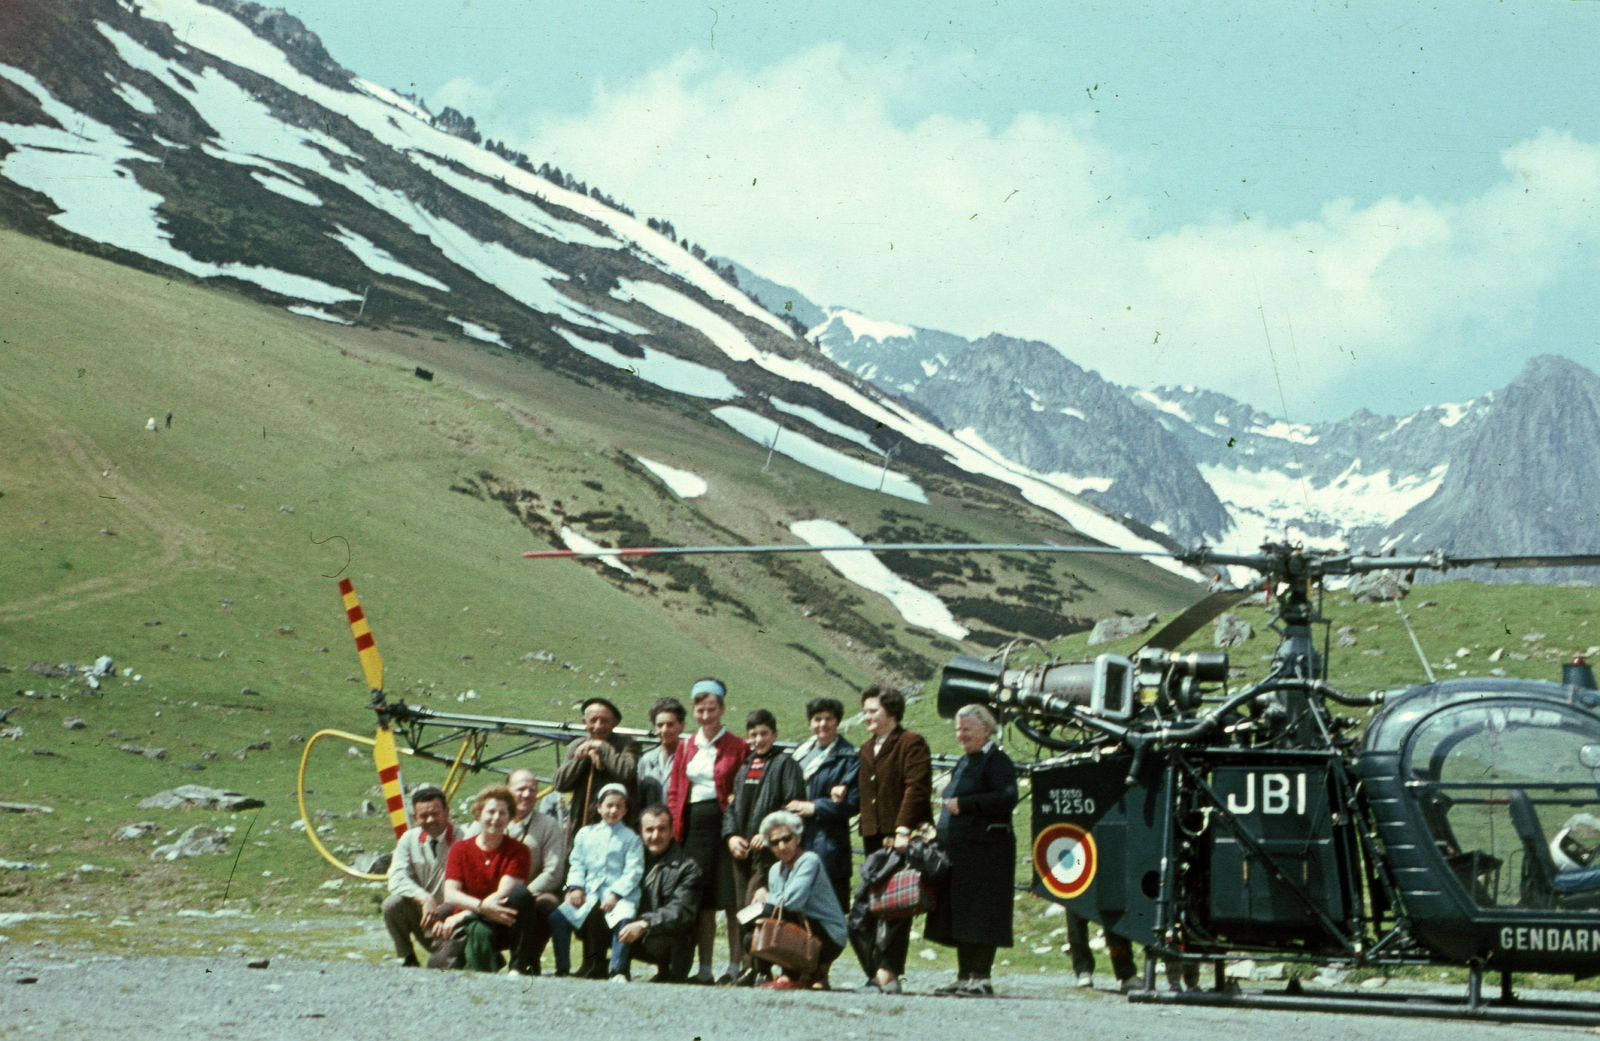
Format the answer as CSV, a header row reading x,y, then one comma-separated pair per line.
x,y
479,877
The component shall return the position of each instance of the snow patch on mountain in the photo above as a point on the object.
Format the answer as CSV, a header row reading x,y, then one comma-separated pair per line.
x,y
917,606
819,457
665,300
817,419
382,261
664,370
578,543
80,171
1270,505
685,484
136,99
478,332
861,326
286,188
318,313
1298,433
1171,408
496,194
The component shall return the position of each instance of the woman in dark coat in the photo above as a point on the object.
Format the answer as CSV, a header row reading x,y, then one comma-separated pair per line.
x,y
830,766
973,913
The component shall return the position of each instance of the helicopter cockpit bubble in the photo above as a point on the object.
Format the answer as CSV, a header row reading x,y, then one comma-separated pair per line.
x,y
1487,775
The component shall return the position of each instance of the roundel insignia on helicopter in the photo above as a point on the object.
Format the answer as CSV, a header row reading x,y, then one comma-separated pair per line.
x,y
1066,859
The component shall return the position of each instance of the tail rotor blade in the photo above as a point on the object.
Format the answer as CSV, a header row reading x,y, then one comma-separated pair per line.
x,y
387,760
366,646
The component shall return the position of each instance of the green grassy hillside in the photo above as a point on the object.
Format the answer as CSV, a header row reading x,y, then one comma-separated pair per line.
x,y
203,557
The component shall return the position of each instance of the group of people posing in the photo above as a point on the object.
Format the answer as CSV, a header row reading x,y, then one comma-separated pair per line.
x,y
657,844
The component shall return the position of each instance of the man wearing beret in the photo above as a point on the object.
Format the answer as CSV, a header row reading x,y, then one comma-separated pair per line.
x,y
605,757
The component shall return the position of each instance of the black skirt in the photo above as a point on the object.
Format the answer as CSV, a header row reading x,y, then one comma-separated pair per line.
x,y
703,843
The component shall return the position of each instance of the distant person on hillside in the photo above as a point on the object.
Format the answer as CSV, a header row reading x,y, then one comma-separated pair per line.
x,y
416,877
605,757
667,717
767,781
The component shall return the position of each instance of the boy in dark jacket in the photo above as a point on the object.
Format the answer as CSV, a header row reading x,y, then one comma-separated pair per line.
x,y
768,780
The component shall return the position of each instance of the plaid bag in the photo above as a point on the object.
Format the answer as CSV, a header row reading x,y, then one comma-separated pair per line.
x,y
902,896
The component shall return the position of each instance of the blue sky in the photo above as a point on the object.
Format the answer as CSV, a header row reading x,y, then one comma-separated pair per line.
x,y
1312,207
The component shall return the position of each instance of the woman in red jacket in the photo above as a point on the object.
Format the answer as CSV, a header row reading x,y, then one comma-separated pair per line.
x,y
698,791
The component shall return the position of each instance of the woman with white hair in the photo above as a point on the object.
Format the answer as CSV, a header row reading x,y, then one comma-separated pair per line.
x,y
973,914
798,890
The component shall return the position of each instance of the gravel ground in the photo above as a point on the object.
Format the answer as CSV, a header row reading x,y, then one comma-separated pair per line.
x,y
46,995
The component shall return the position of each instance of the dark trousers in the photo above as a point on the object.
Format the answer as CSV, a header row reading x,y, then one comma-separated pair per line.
x,y
841,889
523,941
1118,947
974,960
671,955
599,940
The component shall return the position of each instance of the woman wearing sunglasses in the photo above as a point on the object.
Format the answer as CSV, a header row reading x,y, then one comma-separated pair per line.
x,y
798,890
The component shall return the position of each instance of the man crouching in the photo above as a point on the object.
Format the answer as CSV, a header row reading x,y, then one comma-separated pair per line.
x,y
669,903
416,877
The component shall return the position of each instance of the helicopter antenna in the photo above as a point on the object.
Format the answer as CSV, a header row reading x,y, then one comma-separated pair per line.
x,y
1406,621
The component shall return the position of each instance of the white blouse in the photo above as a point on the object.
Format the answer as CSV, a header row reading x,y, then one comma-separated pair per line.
x,y
701,768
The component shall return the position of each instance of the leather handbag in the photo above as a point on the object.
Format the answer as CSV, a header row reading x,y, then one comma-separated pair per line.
x,y
788,944
902,896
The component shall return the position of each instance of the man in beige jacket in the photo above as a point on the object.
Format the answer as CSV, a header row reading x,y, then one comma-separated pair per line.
x,y
416,876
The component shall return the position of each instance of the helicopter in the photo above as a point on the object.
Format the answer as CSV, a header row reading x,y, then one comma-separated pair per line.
x,y
1458,826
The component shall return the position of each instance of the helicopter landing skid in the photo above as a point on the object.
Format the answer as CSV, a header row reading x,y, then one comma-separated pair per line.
x,y
1506,1008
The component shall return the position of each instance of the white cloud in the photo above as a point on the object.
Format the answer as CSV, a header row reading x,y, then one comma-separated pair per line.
x,y
1035,228
466,95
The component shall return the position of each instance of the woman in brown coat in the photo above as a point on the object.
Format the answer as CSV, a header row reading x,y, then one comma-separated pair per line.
x,y
896,783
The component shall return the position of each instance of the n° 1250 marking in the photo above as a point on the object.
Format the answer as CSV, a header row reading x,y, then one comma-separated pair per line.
x,y
1069,802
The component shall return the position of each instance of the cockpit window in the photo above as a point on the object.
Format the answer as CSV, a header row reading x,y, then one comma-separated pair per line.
x,y
1510,793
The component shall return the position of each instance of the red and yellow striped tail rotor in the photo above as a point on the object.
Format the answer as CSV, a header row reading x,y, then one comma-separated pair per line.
x,y
388,761
366,647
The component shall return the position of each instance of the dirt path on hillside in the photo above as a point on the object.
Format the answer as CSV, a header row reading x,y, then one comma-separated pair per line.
x,y
86,467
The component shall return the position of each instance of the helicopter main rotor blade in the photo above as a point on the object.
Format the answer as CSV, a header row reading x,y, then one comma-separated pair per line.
x,y
366,645
1170,636
873,547
1563,560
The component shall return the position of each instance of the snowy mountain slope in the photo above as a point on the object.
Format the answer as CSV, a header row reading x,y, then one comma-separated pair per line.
x,y
1318,483
1200,466
1526,474
216,141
